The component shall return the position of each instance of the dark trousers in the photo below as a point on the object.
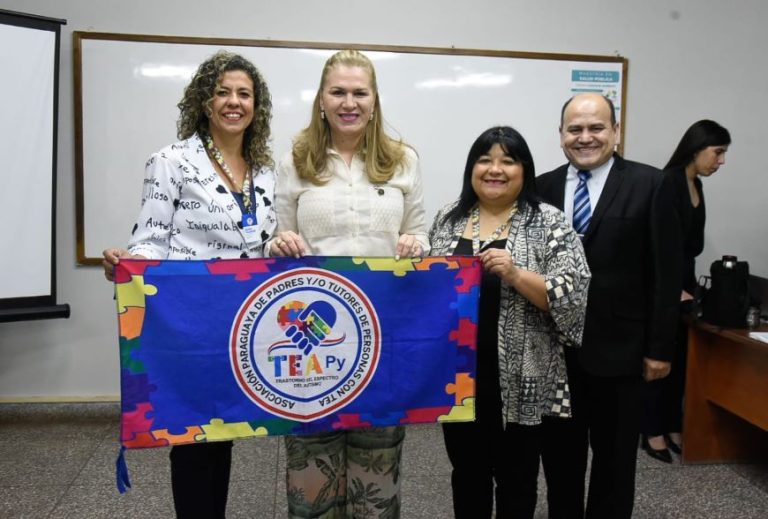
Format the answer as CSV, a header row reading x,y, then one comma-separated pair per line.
x,y
663,411
200,479
490,461
473,450
606,418
564,458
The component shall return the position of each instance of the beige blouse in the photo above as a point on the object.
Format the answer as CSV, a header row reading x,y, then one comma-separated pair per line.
x,y
348,215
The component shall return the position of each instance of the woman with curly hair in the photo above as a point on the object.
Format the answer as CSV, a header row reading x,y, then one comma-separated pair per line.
x,y
347,189
210,195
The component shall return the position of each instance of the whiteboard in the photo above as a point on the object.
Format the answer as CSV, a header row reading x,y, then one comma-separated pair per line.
x,y
437,100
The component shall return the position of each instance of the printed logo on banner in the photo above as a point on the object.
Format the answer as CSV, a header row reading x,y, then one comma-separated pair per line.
x,y
305,344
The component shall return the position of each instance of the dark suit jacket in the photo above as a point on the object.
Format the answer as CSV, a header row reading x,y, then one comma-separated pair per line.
x,y
691,223
633,250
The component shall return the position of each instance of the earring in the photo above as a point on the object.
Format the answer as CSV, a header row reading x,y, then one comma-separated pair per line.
x,y
322,114
371,117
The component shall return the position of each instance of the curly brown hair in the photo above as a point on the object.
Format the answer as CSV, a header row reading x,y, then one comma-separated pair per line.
x,y
198,97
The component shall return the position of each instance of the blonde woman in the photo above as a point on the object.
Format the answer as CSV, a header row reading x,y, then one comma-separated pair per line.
x,y
347,189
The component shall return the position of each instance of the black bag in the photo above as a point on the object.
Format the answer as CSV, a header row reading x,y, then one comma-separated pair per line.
x,y
726,302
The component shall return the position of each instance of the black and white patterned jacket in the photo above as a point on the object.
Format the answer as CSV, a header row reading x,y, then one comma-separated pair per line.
x,y
188,213
531,356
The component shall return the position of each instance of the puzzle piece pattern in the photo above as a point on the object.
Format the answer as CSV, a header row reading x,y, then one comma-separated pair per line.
x,y
128,361
383,419
460,413
342,264
179,268
218,430
465,261
135,422
135,389
125,270
398,268
424,415
137,411
466,304
131,321
241,269
433,261
350,421
466,335
467,279
463,388
132,293
144,440
466,360
188,436
277,427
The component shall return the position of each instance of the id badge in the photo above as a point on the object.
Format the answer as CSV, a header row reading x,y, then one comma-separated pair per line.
x,y
250,229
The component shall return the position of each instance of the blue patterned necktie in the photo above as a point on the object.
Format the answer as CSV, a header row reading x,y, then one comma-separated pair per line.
x,y
582,210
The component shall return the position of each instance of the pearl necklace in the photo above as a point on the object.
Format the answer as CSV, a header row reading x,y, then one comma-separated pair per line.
x,y
477,246
216,155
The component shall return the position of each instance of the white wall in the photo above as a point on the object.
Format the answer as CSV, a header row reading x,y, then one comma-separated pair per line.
x,y
688,59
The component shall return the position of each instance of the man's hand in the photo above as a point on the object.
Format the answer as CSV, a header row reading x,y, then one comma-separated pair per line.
x,y
655,369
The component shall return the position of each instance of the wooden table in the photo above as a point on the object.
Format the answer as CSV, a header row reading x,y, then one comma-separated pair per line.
x,y
726,396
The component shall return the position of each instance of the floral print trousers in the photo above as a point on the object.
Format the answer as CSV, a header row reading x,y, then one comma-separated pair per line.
x,y
345,474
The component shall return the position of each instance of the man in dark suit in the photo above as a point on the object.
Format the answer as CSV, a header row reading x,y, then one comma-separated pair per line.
x,y
626,216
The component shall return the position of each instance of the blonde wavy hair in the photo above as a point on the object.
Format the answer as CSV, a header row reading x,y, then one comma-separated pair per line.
x,y
198,99
382,155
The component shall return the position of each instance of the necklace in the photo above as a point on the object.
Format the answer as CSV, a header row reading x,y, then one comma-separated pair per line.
x,y
216,155
477,246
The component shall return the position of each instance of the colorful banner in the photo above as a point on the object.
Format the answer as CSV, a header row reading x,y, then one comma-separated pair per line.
x,y
225,349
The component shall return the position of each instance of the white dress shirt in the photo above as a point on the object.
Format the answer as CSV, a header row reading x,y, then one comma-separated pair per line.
x,y
349,215
595,186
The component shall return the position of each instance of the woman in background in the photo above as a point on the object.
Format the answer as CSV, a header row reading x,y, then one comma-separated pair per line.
x,y
700,153
347,189
532,303
209,195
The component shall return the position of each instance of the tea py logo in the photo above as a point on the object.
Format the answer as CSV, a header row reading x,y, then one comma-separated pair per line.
x,y
307,325
305,344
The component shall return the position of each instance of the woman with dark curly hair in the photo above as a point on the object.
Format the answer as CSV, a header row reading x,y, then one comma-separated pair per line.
x,y
209,195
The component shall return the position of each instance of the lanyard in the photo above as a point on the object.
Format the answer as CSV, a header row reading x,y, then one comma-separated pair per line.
x,y
477,246
249,200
